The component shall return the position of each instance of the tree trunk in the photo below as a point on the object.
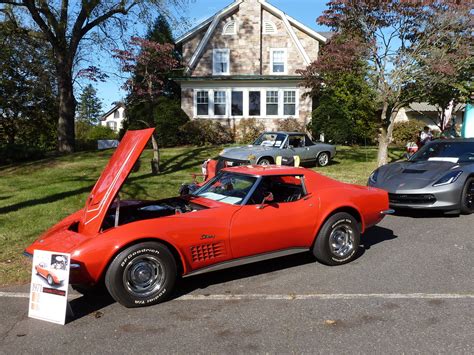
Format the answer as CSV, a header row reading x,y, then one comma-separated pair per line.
x,y
155,162
382,154
385,137
67,109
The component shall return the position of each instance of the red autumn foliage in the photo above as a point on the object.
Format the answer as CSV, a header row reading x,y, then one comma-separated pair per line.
x,y
148,62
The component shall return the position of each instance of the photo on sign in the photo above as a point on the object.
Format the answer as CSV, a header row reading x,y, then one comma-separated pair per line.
x,y
52,271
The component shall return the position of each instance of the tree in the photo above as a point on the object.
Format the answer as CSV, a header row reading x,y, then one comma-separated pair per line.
x,y
27,92
445,69
345,110
395,34
147,61
65,25
90,106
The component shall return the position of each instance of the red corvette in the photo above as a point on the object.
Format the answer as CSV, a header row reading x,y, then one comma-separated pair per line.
x,y
50,276
243,214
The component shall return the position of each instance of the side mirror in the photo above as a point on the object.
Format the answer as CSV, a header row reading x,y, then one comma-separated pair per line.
x,y
268,198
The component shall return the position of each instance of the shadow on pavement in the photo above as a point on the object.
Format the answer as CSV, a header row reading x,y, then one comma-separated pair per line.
x,y
88,306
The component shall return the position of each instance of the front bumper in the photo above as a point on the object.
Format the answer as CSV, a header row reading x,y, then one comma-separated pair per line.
x,y
443,198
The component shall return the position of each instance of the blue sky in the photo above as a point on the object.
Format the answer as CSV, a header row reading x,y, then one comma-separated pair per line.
x,y
305,11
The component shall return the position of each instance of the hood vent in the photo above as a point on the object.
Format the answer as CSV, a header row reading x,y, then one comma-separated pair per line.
x,y
413,171
206,252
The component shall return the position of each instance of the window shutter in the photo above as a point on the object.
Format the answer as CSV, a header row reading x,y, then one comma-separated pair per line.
x,y
269,28
230,28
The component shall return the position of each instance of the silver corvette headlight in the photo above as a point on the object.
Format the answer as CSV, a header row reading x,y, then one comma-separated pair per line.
x,y
448,178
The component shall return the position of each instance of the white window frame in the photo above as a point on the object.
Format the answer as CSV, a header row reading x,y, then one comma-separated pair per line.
x,y
272,103
245,101
226,103
296,103
285,54
208,103
244,93
215,51
226,27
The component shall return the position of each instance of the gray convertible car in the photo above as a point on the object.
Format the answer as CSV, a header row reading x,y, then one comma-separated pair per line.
x,y
439,176
270,145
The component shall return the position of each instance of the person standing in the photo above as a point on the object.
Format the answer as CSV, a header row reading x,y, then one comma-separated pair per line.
x,y
425,136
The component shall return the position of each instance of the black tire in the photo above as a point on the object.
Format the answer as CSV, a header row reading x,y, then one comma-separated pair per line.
x,y
467,197
265,161
323,159
50,280
144,274
340,228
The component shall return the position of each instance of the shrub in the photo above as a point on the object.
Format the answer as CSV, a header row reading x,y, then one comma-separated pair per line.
x,y
12,153
407,131
169,117
248,130
205,131
87,135
290,125
165,114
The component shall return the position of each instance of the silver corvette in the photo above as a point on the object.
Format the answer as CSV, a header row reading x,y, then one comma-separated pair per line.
x,y
439,176
270,145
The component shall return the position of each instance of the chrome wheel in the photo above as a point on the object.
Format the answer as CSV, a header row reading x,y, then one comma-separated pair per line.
x,y
264,162
50,279
323,159
144,275
341,241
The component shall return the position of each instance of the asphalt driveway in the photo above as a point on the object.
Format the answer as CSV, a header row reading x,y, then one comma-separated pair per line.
x,y
411,290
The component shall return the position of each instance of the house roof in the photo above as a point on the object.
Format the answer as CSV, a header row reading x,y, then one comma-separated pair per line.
x,y
426,107
211,24
112,110
321,36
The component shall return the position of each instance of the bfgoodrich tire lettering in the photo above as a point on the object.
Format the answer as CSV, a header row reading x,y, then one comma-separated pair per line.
x,y
338,240
141,275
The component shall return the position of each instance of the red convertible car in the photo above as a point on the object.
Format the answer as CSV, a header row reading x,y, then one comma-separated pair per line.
x,y
243,214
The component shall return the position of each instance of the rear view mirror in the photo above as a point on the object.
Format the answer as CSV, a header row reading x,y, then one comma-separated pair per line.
x,y
268,198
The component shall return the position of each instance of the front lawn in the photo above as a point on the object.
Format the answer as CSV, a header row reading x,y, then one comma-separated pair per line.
x,y
36,195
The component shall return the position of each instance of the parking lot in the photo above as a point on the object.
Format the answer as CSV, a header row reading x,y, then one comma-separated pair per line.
x,y
410,290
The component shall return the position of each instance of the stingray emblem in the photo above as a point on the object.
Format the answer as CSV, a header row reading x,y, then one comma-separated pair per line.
x,y
401,185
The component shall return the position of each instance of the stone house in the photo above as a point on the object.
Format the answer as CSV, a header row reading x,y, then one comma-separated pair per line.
x,y
114,117
243,61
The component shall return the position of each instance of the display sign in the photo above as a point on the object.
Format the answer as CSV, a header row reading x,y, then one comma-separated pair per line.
x,y
49,286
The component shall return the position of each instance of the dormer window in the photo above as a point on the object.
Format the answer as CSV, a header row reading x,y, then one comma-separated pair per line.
x,y
269,28
221,61
278,61
230,28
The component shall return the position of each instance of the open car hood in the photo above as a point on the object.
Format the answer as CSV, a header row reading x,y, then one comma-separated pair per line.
x,y
112,179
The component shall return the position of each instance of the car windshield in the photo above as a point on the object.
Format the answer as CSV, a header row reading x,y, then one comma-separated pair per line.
x,y
270,139
455,152
227,187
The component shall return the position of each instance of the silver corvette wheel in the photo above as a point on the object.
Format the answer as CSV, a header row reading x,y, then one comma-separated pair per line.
x,y
467,197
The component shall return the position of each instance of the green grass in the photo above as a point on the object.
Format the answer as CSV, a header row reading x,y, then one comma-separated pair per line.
x,y
36,195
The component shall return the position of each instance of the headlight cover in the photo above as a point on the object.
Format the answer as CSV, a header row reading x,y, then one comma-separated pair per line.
x,y
373,176
448,178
